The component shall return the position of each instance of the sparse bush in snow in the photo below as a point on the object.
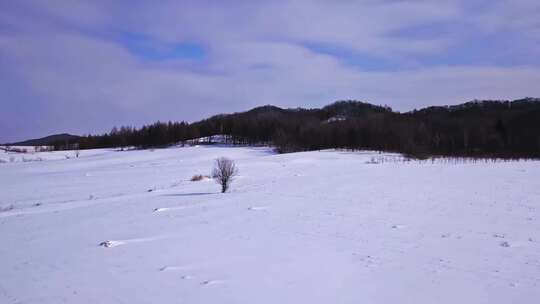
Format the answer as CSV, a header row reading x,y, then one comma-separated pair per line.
x,y
224,172
27,160
198,177
372,161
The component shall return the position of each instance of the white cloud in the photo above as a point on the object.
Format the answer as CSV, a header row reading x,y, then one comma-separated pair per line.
x,y
72,67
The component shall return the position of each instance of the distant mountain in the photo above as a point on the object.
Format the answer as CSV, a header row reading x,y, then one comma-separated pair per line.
x,y
50,140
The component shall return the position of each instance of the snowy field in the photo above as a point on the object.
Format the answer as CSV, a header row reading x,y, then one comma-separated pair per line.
x,y
315,227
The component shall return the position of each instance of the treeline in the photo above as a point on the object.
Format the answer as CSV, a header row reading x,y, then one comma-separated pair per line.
x,y
156,135
475,129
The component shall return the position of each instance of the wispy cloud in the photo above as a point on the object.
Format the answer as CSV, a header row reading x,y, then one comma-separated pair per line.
x,y
85,66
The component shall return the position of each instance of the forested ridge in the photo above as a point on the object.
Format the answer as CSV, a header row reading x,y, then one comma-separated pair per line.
x,y
508,129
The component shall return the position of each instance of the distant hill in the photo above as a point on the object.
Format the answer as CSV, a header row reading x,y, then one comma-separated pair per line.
x,y
50,140
480,128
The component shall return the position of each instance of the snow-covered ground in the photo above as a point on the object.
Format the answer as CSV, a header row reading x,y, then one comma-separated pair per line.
x,y
15,154
315,227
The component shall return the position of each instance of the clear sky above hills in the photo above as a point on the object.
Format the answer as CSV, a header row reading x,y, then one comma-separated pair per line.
x,y
86,66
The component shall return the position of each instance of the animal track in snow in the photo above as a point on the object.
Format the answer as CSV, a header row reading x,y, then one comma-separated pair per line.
x,y
259,208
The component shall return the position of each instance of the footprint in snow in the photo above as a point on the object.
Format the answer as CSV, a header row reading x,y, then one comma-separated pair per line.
x,y
211,282
174,268
108,244
169,209
111,243
398,226
178,268
260,208
504,244
517,244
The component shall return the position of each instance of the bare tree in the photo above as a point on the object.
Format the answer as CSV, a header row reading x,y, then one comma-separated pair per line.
x,y
77,150
224,172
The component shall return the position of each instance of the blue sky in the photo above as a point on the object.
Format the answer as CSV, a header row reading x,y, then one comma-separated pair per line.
x,y
149,49
86,66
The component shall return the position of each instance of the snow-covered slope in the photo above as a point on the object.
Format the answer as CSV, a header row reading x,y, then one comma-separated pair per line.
x,y
315,227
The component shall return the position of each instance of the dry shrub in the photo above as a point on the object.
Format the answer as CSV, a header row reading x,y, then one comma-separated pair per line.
x,y
197,177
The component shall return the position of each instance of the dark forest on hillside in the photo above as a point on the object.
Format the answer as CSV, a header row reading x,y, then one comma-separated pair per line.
x,y
507,129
